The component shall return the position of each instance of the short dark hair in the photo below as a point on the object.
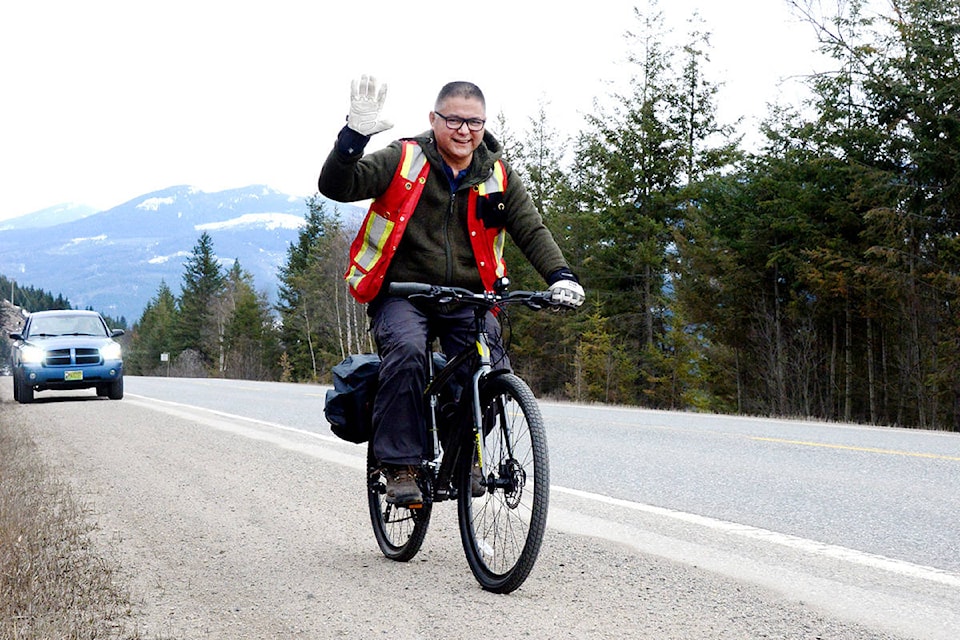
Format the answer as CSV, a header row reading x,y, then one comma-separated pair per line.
x,y
461,89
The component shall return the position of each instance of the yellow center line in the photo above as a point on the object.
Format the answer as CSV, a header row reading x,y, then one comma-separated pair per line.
x,y
889,452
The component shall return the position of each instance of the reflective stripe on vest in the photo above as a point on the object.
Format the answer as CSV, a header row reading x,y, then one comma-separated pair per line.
x,y
375,234
488,242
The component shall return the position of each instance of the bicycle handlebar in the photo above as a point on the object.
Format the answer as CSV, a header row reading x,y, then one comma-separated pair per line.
x,y
445,295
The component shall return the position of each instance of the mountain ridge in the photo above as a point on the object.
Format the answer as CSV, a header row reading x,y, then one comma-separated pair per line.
x,y
50,216
115,260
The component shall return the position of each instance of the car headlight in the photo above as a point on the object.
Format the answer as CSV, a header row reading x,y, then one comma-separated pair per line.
x,y
32,355
111,351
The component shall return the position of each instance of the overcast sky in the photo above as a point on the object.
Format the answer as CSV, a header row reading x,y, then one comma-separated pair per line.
x,y
103,101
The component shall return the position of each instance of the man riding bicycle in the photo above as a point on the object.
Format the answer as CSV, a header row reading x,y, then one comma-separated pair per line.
x,y
442,202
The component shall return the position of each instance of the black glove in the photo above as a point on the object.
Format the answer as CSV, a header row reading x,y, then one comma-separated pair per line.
x,y
562,273
350,143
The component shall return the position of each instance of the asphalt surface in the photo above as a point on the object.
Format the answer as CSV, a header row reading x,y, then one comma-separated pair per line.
x,y
235,514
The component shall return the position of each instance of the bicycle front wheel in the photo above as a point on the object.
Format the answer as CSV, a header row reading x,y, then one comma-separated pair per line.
x,y
502,529
399,530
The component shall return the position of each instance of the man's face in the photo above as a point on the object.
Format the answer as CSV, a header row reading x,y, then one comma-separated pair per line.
x,y
457,145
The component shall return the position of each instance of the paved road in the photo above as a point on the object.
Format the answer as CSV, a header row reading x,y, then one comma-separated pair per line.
x,y
662,525
893,492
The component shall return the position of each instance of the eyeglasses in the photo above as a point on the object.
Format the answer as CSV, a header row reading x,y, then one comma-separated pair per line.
x,y
455,122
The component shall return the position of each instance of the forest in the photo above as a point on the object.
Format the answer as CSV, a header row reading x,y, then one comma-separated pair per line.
x,y
816,276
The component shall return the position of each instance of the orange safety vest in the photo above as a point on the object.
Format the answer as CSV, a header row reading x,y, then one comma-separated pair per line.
x,y
379,236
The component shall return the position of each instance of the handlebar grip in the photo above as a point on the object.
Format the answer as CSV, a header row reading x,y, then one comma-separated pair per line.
x,y
534,299
406,289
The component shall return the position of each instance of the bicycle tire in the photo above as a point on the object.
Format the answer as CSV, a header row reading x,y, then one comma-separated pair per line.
x,y
502,531
399,530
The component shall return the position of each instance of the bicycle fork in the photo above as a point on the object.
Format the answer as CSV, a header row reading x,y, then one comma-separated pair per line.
x,y
485,367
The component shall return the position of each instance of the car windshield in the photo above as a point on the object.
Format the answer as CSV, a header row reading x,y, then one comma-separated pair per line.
x,y
67,326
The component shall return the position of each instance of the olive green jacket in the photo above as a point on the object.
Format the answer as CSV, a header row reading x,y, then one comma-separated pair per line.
x,y
435,247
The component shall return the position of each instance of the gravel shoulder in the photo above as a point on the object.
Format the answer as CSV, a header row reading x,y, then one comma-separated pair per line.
x,y
230,531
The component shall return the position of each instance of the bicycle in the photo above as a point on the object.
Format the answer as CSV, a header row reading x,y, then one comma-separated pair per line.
x,y
501,530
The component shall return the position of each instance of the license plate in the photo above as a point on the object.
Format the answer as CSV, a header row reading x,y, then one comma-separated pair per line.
x,y
72,376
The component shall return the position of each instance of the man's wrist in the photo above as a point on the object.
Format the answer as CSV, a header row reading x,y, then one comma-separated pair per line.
x,y
351,143
563,273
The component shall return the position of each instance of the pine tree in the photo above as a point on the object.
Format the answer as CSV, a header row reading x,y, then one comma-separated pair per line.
x,y
199,326
321,323
153,334
250,340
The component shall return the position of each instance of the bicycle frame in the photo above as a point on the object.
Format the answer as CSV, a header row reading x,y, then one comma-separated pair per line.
x,y
436,382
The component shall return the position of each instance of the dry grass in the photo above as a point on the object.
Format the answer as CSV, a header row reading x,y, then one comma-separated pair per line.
x,y
53,583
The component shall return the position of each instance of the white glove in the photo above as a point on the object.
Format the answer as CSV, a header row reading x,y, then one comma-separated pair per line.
x,y
365,105
567,293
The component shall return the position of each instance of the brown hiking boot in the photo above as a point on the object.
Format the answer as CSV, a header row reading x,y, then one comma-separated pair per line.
x,y
402,489
476,481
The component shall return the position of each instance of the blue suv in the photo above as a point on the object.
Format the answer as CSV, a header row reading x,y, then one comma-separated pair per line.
x,y
66,350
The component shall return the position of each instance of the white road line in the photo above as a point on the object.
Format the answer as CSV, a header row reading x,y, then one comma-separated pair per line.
x,y
232,416
899,567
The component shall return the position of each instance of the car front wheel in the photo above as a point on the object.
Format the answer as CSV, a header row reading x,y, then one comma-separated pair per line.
x,y
115,391
22,391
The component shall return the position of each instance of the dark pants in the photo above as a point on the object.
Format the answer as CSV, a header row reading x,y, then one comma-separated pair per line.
x,y
400,329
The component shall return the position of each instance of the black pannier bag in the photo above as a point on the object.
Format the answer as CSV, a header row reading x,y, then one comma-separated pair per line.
x,y
349,405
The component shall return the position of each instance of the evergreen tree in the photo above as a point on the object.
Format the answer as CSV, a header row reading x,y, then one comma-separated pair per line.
x,y
250,339
153,335
632,156
199,327
604,370
543,346
321,323
709,146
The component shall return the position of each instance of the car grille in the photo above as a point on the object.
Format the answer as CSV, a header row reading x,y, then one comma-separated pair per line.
x,y
67,357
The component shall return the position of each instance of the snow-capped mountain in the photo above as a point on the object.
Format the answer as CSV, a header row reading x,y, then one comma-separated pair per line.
x,y
115,260
58,214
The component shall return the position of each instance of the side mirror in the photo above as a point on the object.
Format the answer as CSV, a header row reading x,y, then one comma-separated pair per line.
x,y
116,333
16,336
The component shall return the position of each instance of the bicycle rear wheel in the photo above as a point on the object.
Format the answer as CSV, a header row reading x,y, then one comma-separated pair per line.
x,y
502,530
399,530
